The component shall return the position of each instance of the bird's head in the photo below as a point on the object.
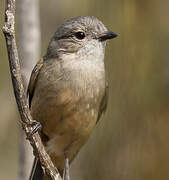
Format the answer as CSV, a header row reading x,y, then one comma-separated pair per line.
x,y
81,35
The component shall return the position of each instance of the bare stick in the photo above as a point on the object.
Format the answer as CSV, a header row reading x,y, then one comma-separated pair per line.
x,y
28,29
21,99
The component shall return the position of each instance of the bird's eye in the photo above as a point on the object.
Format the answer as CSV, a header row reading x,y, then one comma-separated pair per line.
x,y
80,35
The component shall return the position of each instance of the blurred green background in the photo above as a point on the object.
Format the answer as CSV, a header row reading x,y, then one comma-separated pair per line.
x,y
132,140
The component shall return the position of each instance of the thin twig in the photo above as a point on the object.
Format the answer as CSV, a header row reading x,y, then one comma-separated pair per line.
x,y
21,99
27,12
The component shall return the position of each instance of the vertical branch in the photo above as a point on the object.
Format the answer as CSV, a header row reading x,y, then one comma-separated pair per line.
x,y
29,48
35,140
29,35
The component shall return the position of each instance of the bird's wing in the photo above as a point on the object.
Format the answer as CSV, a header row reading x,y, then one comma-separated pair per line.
x,y
103,104
33,79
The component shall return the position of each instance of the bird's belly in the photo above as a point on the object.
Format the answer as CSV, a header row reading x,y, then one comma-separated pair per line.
x,y
68,110
67,119
71,133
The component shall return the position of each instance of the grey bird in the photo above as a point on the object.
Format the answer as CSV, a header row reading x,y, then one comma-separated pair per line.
x,y
68,90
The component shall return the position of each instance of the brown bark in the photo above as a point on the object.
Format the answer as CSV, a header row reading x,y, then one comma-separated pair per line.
x,y
27,13
20,95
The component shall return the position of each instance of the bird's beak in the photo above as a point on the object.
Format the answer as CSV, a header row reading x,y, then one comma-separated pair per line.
x,y
107,35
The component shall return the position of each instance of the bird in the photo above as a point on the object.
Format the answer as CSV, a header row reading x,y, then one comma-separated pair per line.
x,y
68,90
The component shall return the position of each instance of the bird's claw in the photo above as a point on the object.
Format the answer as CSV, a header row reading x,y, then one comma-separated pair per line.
x,y
35,127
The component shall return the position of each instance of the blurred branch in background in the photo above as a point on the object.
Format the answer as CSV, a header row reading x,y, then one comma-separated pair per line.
x,y
28,35
29,49
20,95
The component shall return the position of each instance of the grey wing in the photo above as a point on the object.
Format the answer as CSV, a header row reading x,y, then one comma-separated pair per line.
x,y
103,104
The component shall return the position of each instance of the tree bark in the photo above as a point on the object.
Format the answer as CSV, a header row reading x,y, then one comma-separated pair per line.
x,y
20,95
29,48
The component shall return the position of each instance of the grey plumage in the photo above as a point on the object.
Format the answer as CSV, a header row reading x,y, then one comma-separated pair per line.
x,y
67,90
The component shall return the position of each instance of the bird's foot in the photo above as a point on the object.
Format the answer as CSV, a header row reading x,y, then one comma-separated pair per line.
x,y
35,127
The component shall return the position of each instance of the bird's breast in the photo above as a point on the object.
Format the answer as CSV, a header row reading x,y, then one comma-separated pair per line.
x,y
66,102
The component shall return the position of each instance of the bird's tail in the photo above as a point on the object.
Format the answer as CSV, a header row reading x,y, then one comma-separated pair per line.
x,y
37,172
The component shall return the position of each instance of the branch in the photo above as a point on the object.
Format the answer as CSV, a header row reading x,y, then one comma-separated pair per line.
x,y
27,12
21,99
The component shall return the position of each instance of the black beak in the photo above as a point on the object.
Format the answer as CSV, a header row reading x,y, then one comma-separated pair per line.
x,y
107,35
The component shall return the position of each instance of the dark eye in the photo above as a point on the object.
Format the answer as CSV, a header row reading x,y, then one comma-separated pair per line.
x,y
80,35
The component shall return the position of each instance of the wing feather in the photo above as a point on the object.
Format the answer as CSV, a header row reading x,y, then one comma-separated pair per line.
x,y
33,79
104,102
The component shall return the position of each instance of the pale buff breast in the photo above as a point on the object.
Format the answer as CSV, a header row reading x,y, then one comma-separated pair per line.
x,y
67,105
